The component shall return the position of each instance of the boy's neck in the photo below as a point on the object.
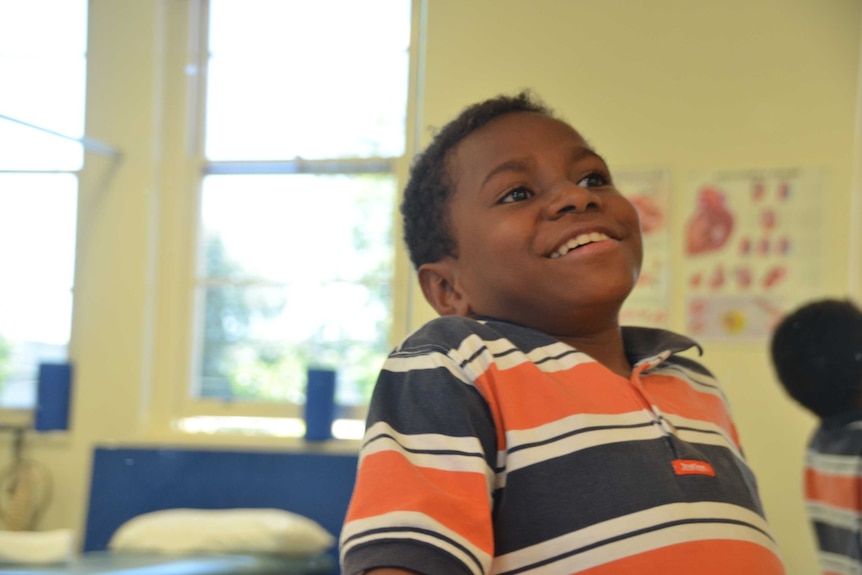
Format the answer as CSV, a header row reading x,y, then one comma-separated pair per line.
x,y
606,347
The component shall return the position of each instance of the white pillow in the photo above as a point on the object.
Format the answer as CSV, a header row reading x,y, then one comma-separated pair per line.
x,y
38,547
185,531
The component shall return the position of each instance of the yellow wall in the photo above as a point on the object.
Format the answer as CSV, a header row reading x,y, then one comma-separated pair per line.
x,y
680,84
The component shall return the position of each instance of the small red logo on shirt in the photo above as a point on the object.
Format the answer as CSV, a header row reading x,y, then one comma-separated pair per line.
x,y
692,467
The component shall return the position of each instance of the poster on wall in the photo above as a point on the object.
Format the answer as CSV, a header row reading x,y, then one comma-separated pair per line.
x,y
752,249
649,191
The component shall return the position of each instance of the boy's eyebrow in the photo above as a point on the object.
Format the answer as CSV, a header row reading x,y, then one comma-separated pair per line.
x,y
519,165
508,166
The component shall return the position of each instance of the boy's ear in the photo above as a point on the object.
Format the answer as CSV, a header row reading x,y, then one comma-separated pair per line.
x,y
441,290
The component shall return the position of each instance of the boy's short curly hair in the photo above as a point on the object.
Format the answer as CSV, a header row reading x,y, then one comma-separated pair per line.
x,y
424,208
817,355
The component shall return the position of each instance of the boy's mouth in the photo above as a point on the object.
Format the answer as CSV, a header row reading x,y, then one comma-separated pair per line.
x,y
578,241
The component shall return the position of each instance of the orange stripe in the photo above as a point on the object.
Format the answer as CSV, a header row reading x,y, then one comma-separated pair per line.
x,y
676,396
842,491
714,557
591,388
388,482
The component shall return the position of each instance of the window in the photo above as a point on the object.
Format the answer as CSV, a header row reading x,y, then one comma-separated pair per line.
x,y
43,71
304,122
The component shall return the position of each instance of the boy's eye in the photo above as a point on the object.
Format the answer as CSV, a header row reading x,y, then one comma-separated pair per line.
x,y
594,180
518,194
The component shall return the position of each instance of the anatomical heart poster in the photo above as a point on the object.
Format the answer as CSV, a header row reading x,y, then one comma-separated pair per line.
x,y
649,191
752,249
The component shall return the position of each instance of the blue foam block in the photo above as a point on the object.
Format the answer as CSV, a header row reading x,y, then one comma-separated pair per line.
x,y
53,393
319,404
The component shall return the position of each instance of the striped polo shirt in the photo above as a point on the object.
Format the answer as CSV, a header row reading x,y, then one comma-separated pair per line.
x,y
833,492
492,448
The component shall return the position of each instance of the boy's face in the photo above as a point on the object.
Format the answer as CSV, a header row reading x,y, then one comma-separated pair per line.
x,y
544,238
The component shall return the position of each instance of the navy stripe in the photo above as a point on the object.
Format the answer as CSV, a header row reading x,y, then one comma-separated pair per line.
x,y
557,357
558,496
509,351
431,534
838,540
631,534
675,366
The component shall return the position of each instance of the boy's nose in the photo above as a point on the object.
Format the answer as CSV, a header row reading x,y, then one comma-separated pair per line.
x,y
568,197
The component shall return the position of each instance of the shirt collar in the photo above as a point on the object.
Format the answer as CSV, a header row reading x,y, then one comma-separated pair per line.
x,y
647,343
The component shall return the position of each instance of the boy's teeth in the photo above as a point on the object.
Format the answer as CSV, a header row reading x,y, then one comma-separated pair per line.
x,y
578,241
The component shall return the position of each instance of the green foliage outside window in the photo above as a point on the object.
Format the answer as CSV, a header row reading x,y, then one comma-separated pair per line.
x,y
253,345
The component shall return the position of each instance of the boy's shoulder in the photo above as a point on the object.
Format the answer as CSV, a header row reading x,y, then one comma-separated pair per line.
x,y
450,331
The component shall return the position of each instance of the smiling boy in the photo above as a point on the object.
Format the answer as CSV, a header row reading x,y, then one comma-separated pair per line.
x,y
525,431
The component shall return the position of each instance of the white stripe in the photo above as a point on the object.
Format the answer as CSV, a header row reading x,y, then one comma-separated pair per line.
x,y
549,448
704,432
561,364
831,515
470,457
502,459
504,355
573,423
838,564
646,363
704,438
473,345
498,353
700,382
841,465
431,360
420,441
629,546
570,357
412,519
569,444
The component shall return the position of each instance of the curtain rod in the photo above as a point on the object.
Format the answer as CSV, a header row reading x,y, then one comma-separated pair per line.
x,y
88,143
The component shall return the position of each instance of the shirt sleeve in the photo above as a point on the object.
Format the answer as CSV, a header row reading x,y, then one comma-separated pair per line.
x,y
425,483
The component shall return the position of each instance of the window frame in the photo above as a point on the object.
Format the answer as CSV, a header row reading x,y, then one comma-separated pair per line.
x,y
24,417
175,355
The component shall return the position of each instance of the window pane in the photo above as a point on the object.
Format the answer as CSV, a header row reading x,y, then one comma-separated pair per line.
x,y
36,211
300,227
297,271
43,66
48,93
288,79
43,26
